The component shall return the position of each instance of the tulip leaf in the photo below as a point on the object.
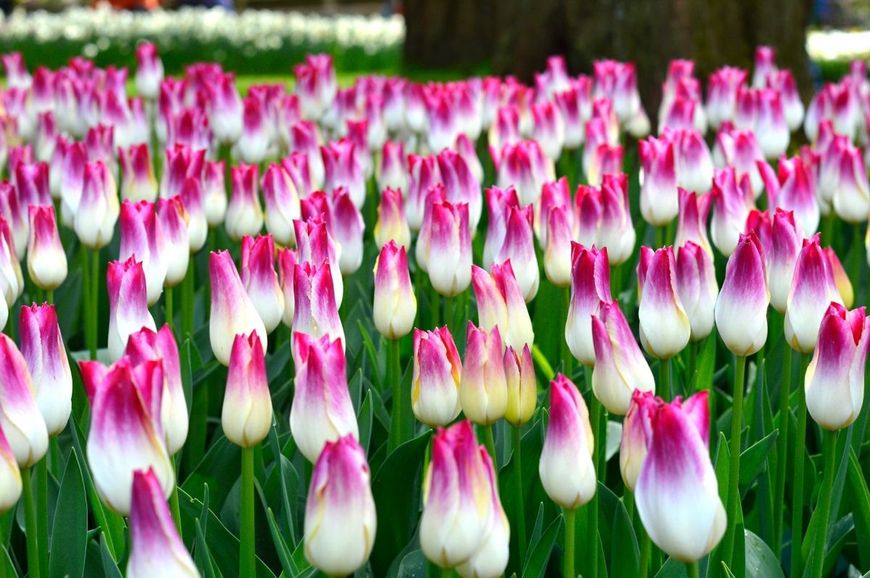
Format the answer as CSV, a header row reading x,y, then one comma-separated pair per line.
x,y
110,567
673,569
753,460
70,531
540,551
624,549
186,374
285,497
372,352
203,556
6,562
760,560
860,500
365,418
413,565
284,555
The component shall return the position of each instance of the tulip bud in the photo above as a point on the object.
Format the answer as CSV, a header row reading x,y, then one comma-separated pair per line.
x,y
524,166
173,220
590,287
423,174
392,173
316,245
10,476
214,192
321,410
232,312
498,201
519,248
156,548
692,220
697,288
149,70
11,279
128,303
465,148
732,203
483,392
395,305
282,204
43,351
343,168
616,231
392,225
98,208
781,244
633,444
260,279
739,149
286,265
812,289
852,194
436,380
138,182
677,493
46,259
125,434
460,184
500,304
253,144
316,85
32,182
566,468
244,215
693,161
316,312
450,242
522,387
142,239
340,518
20,416
247,410
664,326
658,192
557,255
741,308
225,114
792,188
345,223
834,381
620,367
455,513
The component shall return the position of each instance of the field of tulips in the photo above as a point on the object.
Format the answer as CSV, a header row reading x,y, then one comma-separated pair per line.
x,y
401,329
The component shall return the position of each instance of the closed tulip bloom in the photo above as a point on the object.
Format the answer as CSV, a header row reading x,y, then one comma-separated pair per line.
x,y
282,204
149,70
677,493
739,148
460,184
214,192
156,548
741,308
138,182
620,367
557,254
128,303
316,85
792,188
261,280
10,476
633,443
392,172
232,311
182,162
770,124
436,378
553,194
305,142
732,202
11,278
456,497
664,325
98,208
522,387
322,411
254,142
834,381
615,232
346,224
658,192
392,224
519,247
173,221
852,194
315,310
32,182
566,468
781,243
812,289
465,148
340,518
590,287
247,409
126,433
43,351
244,214
423,174
524,166
450,243
142,239
395,305
287,259
841,278
483,392
498,201
225,113
314,244
46,259
692,220
697,288
192,198
500,304
343,168
20,416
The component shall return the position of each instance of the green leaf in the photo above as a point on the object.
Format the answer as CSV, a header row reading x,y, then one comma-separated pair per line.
x,y
365,418
186,374
760,560
413,565
753,460
6,562
371,350
672,569
70,532
540,551
110,568
284,554
860,500
204,559
624,549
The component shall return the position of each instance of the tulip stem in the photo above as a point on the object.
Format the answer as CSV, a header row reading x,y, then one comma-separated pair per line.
x,y
692,569
734,476
645,552
521,509
542,362
830,452
168,304
247,559
489,442
49,296
800,445
665,379
782,450
94,299
568,561
187,301
394,380
41,468
567,356
173,499
30,525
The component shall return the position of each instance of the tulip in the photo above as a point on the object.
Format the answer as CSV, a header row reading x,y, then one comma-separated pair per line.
x,y
781,244
253,144
214,192
315,311
677,493
498,201
192,199
423,174
340,518
173,221
557,254
138,182
500,304
741,308
181,163
20,415
792,189
783,82
346,224
566,469
732,202
620,367
739,148
282,204
460,184
322,411
149,70
343,168
722,88
465,148
450,242
16,71
156,548
770,124
812,289
225,113
392,224
664,325
247,409
316,245
142,238
286,266
43,351
456,513
553,194
98,208
128,303
693,161
524,166
126,433
244,215
232,311
392,172
46,259
483,392
659,202
765,64
10,476
590,287
316,85
841,278
11,211
436,377
852,193
522,387
395,305
548,128
32,182
11,281
697,288
261,281
692,220
519,248
615,230
100,144
634,443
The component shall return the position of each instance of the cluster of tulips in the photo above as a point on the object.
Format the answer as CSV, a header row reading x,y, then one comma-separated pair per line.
x,y
392,173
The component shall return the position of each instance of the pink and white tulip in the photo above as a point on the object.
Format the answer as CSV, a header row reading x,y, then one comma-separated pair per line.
x,y
590,288
20,415
46,259
483,391
232,311
741,308
247,408
665,328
